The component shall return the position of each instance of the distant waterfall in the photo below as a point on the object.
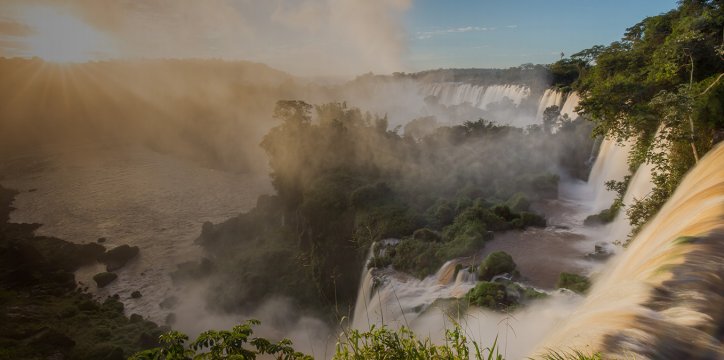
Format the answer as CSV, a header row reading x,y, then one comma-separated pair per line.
x,y
661,297
478,96
569,107
550,98
611,164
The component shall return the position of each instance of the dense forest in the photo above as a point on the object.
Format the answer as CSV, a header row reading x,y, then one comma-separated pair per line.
x,y
344,181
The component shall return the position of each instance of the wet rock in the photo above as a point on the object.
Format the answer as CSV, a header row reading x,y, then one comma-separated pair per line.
x,y
101,240
136,294
134,318
117,257
601,251
104,278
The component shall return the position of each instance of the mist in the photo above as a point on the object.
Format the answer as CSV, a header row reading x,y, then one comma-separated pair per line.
x,y
182,165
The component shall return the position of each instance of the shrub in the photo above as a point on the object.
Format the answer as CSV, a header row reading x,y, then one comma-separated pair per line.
x,y
426,234
518,202
488,294
573,282
496,263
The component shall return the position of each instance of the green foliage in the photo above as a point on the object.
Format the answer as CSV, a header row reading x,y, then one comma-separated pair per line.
x,y
383,343
426,234
574,282
496,263
344,182
659,87
236,343
489,294
571,355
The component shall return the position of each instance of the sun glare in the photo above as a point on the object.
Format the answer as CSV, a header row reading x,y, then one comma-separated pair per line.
x,y
60,37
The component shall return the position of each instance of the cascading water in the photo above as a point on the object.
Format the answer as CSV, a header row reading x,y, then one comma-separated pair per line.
x,y
550,98
661,298
476,95
639,187
611,164
398,299
569,107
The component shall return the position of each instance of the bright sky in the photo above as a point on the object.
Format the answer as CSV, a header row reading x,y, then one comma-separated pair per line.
x,y
503,33
319,37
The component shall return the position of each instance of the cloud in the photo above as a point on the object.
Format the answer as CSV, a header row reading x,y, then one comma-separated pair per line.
x,y
423,35
307,37
14,28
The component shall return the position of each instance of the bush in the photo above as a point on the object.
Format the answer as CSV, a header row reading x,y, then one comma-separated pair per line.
x,y
531,219
604,217
496,263
574,282
426,234
518,202
488,294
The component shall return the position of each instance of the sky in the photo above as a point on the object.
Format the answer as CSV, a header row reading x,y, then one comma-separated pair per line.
x,y
319,37
504,33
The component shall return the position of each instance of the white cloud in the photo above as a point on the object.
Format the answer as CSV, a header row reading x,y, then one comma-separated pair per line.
x,y
423,35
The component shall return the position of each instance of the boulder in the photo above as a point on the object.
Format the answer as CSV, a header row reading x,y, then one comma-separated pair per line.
x,y
117,257
104,278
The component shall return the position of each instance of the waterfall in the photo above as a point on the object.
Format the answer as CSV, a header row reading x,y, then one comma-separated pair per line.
x,y
611,164
569,107
363,294
639,187
399,298
452,93
661,297
550,97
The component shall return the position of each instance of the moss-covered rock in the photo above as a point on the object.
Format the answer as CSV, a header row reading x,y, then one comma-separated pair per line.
x,y
496,263
574,282
104,278
488,294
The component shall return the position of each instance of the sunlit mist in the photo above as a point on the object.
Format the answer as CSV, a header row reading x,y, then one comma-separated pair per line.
x,y
58,36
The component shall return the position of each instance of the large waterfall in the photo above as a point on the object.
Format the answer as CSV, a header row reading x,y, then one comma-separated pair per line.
x,y
661,298
476,95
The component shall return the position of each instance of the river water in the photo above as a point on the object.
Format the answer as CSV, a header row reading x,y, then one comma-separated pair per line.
x,y
129,195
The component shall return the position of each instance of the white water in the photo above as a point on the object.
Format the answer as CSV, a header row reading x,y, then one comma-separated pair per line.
x,y
611,164
569,107
639,188
615,318
478,96
400,298
550,98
